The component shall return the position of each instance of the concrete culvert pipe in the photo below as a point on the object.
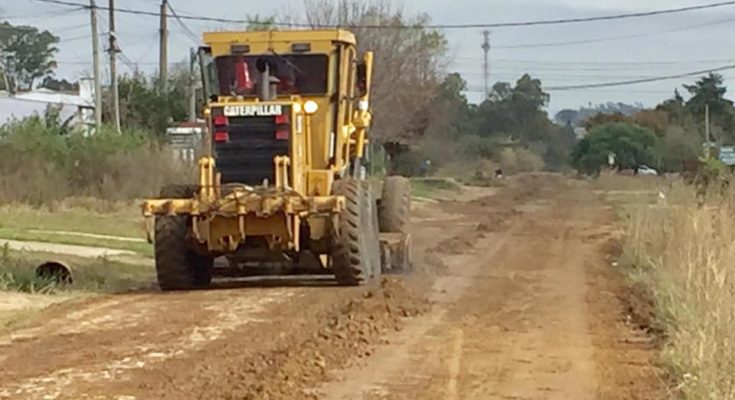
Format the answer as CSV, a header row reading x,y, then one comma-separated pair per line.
x,y
56,271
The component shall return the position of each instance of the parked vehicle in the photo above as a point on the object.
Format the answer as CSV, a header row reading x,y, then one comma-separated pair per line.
x,y
646,170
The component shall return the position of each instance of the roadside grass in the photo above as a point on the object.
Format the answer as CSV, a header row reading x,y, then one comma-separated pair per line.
x,y
105,218
429,188
77,215
142,248
683,253
23,294
96,275
622,183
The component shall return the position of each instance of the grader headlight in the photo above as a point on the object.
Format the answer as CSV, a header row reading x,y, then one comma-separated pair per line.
x,y
310,107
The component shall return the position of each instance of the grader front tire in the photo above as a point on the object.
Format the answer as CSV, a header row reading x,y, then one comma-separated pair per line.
x,y
177,266
356,238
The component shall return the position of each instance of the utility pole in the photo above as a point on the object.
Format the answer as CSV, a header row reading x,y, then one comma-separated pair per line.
x,y
96,67
707,131
486,49
192,86
163,57
114,49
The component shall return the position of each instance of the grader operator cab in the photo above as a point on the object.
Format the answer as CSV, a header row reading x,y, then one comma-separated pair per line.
x,y
283,176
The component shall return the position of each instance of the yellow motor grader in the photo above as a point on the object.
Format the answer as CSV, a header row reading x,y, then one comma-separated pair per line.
x,y
283,177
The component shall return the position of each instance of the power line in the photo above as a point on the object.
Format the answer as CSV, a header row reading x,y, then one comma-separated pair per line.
x,y
639,81
479,90
536,62
428,26
50,14
189,33
613,38
576,77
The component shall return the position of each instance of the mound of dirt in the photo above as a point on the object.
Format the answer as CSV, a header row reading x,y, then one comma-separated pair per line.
x,y
458,244
291,356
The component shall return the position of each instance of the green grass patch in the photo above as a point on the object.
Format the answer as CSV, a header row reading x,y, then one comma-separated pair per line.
x,y
431,187
141,248
87,216
114,219
99,275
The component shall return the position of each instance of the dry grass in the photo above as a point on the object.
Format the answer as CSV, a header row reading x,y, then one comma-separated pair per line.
x,y
684,253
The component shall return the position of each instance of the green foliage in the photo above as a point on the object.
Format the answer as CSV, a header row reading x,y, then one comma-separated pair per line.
x,y
679,123
18,274
27,55
511,127
632,145
680,144
514,160
578,117
42,160
259,23
143,106
408,62
711,169
59,85
710,91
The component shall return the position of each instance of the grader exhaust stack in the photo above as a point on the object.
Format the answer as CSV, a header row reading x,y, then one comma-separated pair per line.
x,y
283,180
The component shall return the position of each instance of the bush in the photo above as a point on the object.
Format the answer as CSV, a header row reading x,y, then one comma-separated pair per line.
x,y
632,145
515,160
42,162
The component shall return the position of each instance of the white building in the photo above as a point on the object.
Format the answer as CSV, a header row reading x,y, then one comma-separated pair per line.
x,y
77,109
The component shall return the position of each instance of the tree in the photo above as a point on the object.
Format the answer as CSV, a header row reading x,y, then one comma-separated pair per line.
x,y
26,55
142,106
632,145
407,67
259,23
566,117
710,91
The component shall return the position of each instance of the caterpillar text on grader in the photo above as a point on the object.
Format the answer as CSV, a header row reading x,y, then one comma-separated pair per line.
x,y
283,176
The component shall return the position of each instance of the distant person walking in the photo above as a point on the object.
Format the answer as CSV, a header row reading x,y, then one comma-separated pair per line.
x,y
425,168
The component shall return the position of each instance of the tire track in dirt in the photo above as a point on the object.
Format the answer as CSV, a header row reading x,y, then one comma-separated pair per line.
x,y
530,329
508,306
108,337
215,344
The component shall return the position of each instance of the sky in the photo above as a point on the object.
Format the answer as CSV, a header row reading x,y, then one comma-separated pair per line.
x,y
626,49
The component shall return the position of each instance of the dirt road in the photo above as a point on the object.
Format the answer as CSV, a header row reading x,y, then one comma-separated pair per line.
x,y
516,300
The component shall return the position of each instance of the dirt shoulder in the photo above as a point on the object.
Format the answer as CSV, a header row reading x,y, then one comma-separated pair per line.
x,y
531,311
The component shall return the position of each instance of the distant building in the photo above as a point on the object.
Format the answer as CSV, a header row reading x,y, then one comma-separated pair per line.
x,y
76,109
580,132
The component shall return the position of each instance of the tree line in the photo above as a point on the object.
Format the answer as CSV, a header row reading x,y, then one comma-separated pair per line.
x,y
670,137
421,111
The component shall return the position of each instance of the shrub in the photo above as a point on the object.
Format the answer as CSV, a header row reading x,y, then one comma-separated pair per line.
x,y
42,162
514,160
632,145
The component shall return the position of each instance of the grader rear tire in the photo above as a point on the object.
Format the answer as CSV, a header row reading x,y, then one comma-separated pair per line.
x,y
376,263
395,217
395,205
178,267
354,256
